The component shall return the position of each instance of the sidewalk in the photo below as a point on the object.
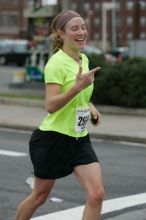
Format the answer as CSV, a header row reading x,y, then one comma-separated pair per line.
x,y
116,125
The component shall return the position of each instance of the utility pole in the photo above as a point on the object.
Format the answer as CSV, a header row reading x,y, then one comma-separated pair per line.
x,y
136,21
104,27
105,7
89,16
136,25
114,33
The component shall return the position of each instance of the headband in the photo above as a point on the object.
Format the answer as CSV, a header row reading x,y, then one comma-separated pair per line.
x,y
65,17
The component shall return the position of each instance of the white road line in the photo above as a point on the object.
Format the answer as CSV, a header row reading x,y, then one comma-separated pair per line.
x,y
12,153
123,202
108,206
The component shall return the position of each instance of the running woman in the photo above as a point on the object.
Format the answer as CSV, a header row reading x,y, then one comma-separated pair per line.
x,y
61,145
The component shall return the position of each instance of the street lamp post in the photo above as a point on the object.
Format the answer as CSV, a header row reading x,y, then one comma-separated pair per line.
x,y
114,33
105,7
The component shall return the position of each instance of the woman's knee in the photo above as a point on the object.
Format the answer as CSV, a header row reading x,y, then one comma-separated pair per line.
x,y
96,196
41,191
40,198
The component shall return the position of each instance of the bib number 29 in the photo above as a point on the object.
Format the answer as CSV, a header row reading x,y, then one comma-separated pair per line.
x,y
83,120
82,116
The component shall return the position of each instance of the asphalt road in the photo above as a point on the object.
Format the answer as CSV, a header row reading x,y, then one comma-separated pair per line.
x,y
124,173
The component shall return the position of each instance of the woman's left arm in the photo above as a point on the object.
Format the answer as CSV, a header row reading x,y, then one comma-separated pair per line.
x,y
95,115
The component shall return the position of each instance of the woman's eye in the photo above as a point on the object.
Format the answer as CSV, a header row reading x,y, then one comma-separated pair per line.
x,y
74,29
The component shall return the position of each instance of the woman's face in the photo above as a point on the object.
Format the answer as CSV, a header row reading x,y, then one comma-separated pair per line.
x,y
75,33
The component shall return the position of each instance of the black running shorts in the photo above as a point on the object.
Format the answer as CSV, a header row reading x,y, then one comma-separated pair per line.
x,y
54,155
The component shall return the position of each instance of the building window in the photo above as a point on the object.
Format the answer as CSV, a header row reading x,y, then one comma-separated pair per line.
x,y
97,22
97,36
87,21
5,22
142,21
120,35
142,35
118,6
97,5
142,5
87,6
30,4
74,6
118,21
129,36
14,20
130,5
129,21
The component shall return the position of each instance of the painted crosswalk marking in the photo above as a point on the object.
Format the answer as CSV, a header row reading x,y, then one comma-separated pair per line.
x,y
108,206
12,153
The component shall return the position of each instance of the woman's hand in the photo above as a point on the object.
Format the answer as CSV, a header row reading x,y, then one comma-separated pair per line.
x,y
95,115
56,100
86,79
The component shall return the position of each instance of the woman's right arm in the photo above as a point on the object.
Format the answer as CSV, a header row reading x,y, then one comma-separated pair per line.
x,y
55,100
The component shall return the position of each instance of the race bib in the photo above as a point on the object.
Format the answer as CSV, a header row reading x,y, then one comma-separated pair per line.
x,y
82,116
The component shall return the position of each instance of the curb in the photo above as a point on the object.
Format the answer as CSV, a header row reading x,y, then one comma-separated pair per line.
x,y
112,137
121,110
17,127
22,102
103,109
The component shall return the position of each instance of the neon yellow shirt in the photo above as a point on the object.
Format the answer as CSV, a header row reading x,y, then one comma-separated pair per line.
x,y
72,118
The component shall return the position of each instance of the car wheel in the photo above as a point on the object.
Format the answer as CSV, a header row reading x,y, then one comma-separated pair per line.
x,y
2,60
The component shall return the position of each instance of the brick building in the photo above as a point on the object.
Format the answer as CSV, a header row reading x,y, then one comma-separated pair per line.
x,y
112,26
125,21
128,22
12,22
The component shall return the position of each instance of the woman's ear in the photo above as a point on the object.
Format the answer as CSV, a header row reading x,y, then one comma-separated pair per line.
x,y
61,34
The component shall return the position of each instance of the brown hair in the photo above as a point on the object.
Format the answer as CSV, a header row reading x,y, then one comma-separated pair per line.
x,y
58,23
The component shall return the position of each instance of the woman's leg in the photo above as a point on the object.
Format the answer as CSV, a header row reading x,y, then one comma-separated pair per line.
x,y
90,179
26,208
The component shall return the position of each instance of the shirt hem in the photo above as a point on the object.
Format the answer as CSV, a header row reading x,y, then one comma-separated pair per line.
x,y
76,135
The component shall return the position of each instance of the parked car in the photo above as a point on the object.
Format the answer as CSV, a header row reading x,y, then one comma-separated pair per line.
x,y
121,53
14,51
91,49
94,50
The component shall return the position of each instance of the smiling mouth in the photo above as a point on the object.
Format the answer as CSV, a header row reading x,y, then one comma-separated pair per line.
x,y
81,40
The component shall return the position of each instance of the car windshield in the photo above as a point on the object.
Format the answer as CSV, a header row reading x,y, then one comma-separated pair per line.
x,y
5,46
91,49
20,48
17,46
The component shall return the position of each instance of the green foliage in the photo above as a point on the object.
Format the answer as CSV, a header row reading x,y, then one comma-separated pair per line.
x,y
120,84
97,60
